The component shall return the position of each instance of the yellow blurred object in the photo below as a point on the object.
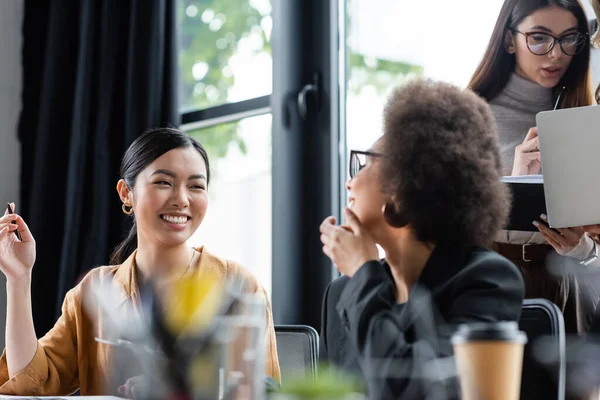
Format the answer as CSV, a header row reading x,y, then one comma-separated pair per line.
x,y
193,302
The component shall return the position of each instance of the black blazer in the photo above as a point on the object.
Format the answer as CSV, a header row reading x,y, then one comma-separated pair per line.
x,y
404,350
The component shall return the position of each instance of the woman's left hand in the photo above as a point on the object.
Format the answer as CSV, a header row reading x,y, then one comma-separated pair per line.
x,y
563,242
348,246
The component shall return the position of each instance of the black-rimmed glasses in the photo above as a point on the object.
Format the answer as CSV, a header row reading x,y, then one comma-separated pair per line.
x,y
541,43
358,160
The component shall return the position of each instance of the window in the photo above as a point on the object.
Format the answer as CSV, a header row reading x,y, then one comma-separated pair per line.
x,y
226,81
237,225
438,39
225,53
229,79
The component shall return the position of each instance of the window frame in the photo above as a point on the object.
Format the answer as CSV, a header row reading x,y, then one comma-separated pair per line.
x,y
300,271
225,113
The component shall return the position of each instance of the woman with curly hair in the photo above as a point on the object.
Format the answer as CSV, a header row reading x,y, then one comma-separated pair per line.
x,y
429,193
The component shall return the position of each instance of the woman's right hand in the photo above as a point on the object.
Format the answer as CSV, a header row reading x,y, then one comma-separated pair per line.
x,y
16,257
528,160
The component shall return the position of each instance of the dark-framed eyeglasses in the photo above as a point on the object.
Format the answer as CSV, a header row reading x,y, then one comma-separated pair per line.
x,y
358,160
542,43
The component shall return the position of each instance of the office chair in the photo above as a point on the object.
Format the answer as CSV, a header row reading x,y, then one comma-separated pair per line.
x,y
541,319
298,350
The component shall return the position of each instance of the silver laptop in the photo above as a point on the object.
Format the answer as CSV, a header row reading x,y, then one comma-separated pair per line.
x,y
570,148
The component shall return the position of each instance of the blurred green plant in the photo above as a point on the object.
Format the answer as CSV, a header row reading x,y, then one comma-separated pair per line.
x,y
330,383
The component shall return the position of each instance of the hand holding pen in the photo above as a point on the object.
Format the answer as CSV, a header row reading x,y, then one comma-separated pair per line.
x,y
528,159
17,246
10,211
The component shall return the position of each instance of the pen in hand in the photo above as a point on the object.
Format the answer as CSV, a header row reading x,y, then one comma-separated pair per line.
x,y
10,211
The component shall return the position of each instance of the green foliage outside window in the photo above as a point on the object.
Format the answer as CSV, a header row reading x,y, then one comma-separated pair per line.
x,y
210,31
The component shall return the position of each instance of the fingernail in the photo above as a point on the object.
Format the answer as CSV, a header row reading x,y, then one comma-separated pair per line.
x,y
543,216
536,224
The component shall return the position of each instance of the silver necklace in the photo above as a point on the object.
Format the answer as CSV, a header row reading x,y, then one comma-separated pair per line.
x,y
190,264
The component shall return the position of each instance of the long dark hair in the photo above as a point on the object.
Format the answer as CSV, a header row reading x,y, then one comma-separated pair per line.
x,y
497,64
143,151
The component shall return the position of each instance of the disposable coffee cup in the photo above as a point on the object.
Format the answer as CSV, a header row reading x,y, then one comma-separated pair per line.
x,y
489,360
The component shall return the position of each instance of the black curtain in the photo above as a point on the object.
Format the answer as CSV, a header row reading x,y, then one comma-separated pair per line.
x,y
96,74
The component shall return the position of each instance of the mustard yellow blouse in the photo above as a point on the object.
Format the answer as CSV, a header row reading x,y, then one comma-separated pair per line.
x,y
69,358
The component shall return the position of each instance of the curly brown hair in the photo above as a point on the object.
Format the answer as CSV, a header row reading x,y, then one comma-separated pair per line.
x,y
442,164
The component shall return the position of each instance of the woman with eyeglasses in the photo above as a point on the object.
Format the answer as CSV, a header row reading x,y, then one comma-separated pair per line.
x,y
538,59
429,193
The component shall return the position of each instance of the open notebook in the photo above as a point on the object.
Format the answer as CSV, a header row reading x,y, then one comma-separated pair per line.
x,y
528,201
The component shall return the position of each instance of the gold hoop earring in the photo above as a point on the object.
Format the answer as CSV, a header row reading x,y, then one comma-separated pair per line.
x,y
127,209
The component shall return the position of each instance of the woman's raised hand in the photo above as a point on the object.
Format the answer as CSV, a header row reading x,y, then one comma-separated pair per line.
x,y
16,257
528,160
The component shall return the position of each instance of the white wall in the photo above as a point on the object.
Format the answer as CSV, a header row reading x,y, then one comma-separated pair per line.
x,y
11,17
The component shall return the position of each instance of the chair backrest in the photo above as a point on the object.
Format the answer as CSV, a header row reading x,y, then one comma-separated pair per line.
x,y
298,350
541,319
